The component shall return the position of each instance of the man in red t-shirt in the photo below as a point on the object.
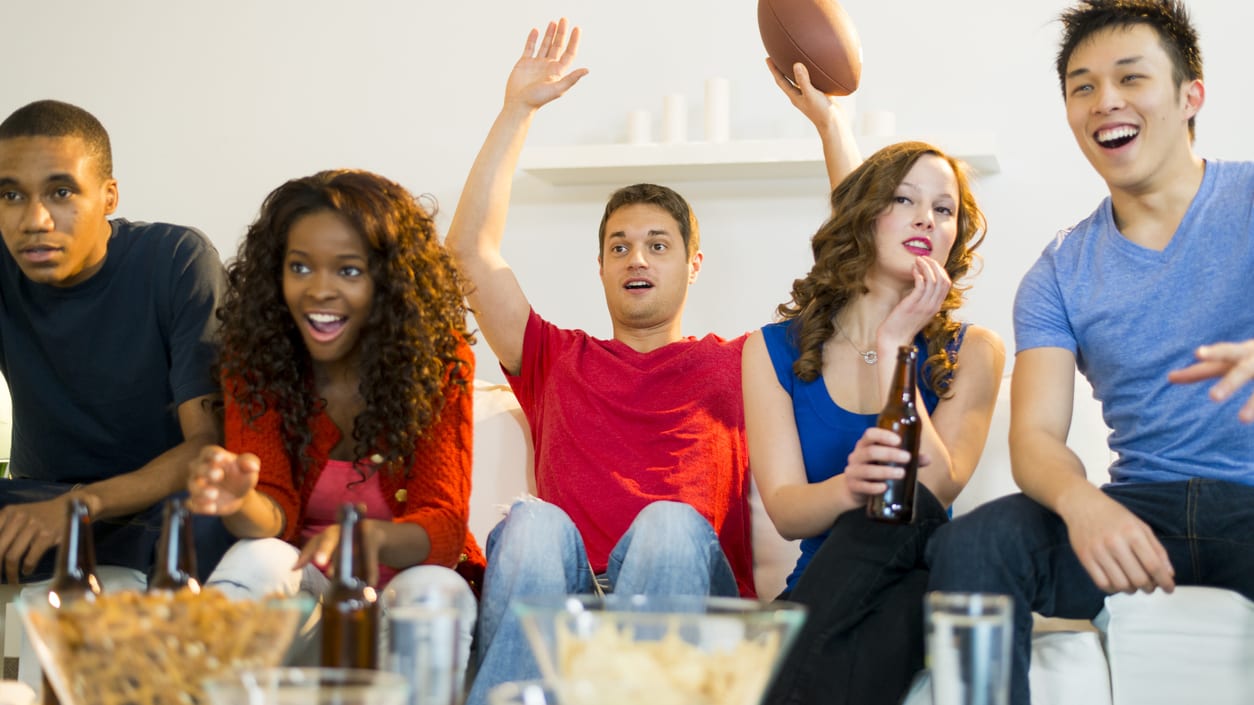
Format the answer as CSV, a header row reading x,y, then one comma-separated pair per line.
x,y
641,459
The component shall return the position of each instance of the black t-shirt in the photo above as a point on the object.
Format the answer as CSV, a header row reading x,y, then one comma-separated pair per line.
x,y
97,370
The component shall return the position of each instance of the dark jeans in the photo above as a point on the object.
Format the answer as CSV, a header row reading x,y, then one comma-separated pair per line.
x,y
126,541
1016,547
862,641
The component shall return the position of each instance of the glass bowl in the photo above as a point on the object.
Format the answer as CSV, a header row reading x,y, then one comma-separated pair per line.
x,y
307,686
155,648
658,650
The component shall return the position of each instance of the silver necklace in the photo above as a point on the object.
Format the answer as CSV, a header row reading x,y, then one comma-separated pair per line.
x,y
870,357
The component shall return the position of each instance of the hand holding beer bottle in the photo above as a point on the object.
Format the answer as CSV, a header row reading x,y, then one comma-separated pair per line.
x,y
901,416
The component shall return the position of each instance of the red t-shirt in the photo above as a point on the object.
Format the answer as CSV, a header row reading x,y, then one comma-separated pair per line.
x,y
615,430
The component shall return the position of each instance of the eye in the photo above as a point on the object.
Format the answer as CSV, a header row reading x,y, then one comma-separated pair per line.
x,y
297,268
352,271
1132,77
659,247
62,193
1081,89
944,210
618,249
10,196
904,200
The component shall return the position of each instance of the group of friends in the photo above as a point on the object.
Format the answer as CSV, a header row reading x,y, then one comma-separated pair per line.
x,y
330,361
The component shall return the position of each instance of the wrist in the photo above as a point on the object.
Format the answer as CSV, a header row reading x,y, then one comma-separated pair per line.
x,y
95,505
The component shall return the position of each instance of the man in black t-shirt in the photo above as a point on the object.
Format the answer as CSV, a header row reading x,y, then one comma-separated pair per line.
x,y
106,341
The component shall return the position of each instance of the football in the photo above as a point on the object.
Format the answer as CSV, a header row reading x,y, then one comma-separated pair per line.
x,y
817,33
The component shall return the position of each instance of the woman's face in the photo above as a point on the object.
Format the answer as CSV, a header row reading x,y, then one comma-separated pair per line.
x,y
327,285
922,220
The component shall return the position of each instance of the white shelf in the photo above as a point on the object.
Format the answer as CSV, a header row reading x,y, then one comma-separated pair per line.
x,y
707,161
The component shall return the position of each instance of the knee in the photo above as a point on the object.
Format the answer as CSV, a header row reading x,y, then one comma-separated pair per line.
x,y
433,587
988,534
257,567
531,533
665,520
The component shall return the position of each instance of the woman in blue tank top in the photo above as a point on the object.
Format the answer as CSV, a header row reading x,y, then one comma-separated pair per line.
x,y
903,229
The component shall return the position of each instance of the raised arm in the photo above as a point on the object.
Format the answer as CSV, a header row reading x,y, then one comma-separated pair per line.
x,y
541,74
840,149
1118,550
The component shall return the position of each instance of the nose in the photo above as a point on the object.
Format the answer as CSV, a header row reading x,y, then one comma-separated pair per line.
x,y
37,218
925,218
1108,98
321,286
637,259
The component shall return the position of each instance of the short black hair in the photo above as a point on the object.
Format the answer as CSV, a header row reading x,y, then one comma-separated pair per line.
x,y
53,118
1168,18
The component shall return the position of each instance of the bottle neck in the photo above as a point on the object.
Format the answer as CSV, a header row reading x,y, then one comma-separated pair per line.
x,y
905,376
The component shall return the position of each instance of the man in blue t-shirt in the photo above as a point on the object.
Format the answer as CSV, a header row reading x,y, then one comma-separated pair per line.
x,y
106,342
1126,296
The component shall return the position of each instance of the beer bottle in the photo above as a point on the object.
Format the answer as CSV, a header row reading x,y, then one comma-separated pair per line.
x,y
175,568
901,416
350,611
75,575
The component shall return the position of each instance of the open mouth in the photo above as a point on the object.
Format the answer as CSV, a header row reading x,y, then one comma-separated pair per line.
x,y
637,285
918,246
1116,137
325,326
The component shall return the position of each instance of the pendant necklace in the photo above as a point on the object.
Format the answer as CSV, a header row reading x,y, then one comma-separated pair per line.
x,y
870,357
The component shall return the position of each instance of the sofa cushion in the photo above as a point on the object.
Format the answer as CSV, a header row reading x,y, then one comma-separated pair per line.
x,y
1203,638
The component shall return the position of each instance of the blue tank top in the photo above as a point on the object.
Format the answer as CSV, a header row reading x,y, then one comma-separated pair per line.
x,y
828,432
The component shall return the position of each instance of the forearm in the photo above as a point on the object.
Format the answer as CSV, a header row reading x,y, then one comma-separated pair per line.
x,y
258,518
479,222
138,490
806,510
840,150
940,474
402,544
1047,470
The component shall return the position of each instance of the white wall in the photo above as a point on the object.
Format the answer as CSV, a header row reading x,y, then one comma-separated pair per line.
x,y
211,105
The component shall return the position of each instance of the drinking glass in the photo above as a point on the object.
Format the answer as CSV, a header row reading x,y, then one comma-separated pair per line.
x,y
968,647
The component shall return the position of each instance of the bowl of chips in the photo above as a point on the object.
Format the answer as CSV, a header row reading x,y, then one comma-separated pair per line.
x,y
658,650
155,648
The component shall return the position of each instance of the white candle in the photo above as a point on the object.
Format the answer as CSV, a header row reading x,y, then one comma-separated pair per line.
x,y
879,123
717,110
639,127
674,118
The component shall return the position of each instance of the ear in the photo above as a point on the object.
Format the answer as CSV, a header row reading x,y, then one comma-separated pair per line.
x,y
600,266
694,266
1194,97
110,188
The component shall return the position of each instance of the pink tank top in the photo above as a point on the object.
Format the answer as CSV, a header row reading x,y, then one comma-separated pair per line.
x,y
339,483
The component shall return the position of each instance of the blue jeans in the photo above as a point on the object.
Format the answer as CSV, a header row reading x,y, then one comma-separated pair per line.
x,y
669,549
1016,547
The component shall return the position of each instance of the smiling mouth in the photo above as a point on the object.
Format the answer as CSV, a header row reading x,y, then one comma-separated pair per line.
x,y
918,246
1116,137
637,286
325,327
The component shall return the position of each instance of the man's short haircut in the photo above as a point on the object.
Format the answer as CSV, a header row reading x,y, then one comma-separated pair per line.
x,y
1168,18
52,118
659,196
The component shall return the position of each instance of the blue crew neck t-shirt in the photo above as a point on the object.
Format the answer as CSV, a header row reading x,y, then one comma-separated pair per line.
x,y
1131,314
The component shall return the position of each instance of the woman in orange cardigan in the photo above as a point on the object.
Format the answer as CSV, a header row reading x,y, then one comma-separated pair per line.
x,y
347,377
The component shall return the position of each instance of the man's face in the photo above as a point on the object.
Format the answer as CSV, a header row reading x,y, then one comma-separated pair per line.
x,y
1127,114
645,267
54,204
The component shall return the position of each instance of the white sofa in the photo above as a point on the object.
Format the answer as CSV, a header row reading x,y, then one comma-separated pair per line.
x,y
1194,646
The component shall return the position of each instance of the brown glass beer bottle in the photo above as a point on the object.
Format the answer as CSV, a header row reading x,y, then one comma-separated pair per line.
x,y
175,568
901,416
74,577
350,610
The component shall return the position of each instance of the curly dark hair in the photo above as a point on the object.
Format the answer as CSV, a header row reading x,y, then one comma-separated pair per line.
x,y
1168,18
408,346
844,251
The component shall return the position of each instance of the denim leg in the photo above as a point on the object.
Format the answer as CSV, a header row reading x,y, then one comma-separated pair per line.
x,y
862,641
535,550
1016,547
670,549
